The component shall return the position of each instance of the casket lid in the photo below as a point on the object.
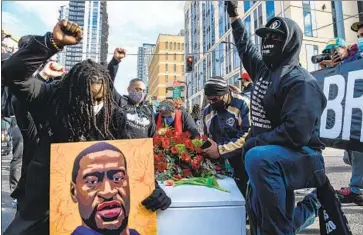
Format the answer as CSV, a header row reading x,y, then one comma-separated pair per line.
x,y
200,196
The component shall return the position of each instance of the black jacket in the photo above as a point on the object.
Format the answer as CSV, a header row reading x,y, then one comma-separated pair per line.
x,y
287,103
41,100
140,121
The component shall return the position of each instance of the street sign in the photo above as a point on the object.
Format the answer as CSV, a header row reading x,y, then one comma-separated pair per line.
x,y
177,92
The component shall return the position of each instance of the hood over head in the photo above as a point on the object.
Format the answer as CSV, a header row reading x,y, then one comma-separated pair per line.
x,y
293,34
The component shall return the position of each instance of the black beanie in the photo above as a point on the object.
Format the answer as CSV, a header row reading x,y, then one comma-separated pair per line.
x,y
216,86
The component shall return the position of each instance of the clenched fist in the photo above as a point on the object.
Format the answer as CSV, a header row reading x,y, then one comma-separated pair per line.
x,y
119,54
67,33
52,70
232,8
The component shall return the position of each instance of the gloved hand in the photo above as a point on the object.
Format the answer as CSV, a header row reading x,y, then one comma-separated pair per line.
x,y
232,8
157,200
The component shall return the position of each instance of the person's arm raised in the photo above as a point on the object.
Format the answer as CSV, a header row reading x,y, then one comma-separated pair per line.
x,y
17,71
248,52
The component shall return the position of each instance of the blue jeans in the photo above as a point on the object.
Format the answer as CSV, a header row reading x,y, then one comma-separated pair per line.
x,y
274,173
356,161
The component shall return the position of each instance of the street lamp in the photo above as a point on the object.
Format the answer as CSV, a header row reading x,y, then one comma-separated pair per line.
x,y
240,66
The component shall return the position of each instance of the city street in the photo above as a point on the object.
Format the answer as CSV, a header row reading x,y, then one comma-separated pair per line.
x,y
338,172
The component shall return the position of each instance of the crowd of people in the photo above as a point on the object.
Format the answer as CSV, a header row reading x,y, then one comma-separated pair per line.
x,y
268,130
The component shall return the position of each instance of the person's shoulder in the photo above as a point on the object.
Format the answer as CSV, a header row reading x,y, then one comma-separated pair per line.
x,y
239,101
133,232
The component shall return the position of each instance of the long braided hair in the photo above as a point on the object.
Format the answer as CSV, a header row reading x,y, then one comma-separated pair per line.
x,y
76,101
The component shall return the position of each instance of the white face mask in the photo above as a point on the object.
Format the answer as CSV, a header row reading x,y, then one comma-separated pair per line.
x,y
97,108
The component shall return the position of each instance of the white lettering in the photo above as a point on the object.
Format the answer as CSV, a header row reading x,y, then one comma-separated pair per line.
x,y
334,105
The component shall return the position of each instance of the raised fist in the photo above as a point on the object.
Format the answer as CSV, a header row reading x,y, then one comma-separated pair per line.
x,y
232,8
67,33
52,70
119,54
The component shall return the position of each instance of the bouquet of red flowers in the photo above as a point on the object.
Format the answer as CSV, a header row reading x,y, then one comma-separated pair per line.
x,y
177,156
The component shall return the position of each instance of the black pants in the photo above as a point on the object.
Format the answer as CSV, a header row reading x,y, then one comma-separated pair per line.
x,y
17,155
240,175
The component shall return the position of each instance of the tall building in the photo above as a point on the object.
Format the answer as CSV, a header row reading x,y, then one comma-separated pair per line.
x,y
92,17
166,66
208,34
144,55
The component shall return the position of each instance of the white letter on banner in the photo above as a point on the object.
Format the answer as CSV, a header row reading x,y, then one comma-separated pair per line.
x,y
335,105
351,103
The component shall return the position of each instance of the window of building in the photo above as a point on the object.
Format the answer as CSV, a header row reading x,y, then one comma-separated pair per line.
x,y
247,5
171,46
247,23
179,46
270,10
174,78
166,67
183,69
309,19
311,50
174,68
174,45
166,45
166,56
257,15
334,16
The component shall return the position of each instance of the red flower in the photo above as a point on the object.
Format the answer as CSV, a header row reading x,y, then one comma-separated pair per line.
x,y
177,176
157,140
195,164
170,133
204,137
218,168
199,150
174,150
187,172
165,143
187,134
189,145
185,157
157,157
199,158
178,140
161,166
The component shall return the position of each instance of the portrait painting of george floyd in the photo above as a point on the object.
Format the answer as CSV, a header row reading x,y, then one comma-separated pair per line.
x,y
97,188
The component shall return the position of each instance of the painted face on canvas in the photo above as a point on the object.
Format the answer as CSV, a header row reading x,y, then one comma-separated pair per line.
x,y
102,191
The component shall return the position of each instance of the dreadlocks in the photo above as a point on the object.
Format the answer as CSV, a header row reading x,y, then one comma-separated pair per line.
x,y
76,100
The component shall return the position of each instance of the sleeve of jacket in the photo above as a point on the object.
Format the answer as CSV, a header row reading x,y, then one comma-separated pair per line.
x,y
249,54
235,145
190,125
113,68
18,69
152,128
300,113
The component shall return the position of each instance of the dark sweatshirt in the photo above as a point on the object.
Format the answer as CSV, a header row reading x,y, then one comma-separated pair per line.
x,y
286,103
42,100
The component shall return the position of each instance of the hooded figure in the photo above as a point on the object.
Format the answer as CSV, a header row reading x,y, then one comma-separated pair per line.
x,y
283,150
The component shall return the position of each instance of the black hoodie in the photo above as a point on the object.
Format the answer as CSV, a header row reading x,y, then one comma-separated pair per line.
x,y
286,103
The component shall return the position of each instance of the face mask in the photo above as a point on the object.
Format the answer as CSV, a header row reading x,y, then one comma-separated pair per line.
x,y
272,53
219,105
97,108
169,120
360,44
136,96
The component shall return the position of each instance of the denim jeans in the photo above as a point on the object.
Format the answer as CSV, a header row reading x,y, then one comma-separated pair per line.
x,y
356,161
274,173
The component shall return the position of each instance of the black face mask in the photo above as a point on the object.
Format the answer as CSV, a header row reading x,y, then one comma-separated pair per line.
x,y
219,106
272,53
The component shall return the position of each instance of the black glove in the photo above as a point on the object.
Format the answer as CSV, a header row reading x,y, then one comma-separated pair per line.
x,y
157,200
232,8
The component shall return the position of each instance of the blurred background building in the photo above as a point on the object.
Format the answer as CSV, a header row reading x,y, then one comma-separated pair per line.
x,y
144,55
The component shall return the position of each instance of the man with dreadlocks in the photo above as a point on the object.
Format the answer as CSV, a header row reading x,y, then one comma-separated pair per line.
x,y
80,107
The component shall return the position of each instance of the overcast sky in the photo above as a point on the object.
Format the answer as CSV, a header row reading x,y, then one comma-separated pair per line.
x,y
131,24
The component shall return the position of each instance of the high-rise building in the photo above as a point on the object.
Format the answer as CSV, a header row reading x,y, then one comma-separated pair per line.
x,y
208,34
92,17
144,55
166,66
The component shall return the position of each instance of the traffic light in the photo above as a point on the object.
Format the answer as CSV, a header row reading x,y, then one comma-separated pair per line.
x,y
190,62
